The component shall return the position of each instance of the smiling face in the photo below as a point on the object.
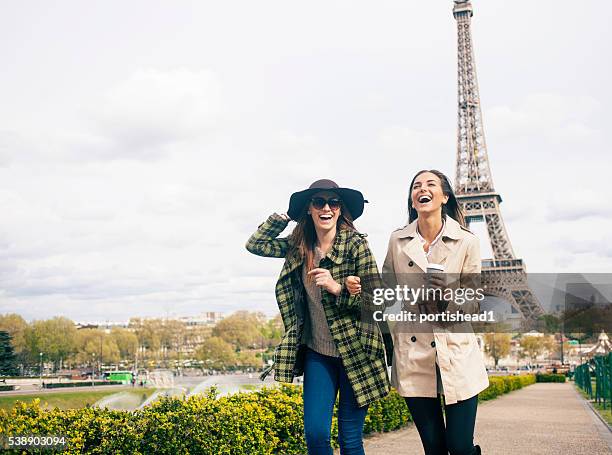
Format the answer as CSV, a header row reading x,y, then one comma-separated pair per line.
x,y
324,218
426,193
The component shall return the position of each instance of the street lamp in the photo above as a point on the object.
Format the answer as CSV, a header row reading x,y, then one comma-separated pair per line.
x,y
41,367
93,361
136,360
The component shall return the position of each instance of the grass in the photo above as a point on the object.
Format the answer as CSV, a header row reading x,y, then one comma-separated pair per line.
x,y
68,400
250,387
606,414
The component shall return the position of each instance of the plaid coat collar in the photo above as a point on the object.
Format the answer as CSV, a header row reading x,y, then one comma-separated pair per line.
x,y
337,253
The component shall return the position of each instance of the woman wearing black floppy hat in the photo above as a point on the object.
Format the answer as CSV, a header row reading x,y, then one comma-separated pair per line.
x,y
328,336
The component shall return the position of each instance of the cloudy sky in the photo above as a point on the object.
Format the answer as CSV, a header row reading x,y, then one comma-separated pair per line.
x,y
142,142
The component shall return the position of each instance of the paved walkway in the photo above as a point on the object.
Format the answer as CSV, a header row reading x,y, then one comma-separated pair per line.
x,y
541,419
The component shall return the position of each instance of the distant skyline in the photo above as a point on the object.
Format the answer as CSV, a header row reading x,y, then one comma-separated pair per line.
x,y
142,143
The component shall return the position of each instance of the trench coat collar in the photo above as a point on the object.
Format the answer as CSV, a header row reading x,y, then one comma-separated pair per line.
x,y
452,230
414,249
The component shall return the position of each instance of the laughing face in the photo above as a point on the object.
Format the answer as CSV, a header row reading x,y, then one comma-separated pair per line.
x,y
325,216
426,193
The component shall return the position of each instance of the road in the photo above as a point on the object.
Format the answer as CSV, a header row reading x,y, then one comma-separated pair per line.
x,y
542,419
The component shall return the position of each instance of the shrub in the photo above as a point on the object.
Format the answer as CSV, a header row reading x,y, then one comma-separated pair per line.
x,y
550,377
61,385
498,385
264,422
268,421
527,379
387,415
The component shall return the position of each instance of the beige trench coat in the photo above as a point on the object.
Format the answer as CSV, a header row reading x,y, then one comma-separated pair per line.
x,y
416,346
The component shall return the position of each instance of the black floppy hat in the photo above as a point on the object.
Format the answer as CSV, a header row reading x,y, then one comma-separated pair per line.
x,y
352,199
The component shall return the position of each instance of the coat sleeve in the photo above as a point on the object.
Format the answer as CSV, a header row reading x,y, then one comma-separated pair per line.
x,y
367,270
389,279
469,277
264,241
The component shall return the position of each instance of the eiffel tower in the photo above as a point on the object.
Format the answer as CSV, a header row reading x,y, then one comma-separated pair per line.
x,y
504,275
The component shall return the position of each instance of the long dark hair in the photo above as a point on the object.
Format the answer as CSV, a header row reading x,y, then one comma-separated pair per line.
x,y
451,208
304,236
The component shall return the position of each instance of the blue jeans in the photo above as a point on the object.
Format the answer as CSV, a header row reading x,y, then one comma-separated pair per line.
x,y
323,377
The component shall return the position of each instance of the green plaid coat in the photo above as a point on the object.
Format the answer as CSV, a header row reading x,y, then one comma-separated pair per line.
x,y
357,337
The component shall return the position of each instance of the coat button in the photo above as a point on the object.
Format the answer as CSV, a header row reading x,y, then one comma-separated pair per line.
x,y
410,264
433,344
413,339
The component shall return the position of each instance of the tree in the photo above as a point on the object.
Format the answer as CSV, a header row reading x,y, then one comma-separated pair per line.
x,y
55,338
216,353
497,345
162,338
273,330
95,345
533,346
16,326
242,329
248,359
126,341
171,336
551,323
8,360
147,331
195,336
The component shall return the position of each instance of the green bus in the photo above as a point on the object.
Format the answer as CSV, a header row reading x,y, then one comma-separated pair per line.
x,y
125,377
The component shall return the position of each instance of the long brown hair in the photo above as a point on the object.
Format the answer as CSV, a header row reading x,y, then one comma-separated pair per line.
x,y
451,208
304,236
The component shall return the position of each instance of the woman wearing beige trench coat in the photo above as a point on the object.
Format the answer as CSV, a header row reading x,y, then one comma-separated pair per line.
x,y
430,360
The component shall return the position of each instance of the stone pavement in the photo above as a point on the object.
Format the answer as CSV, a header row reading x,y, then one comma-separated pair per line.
x,y
543,418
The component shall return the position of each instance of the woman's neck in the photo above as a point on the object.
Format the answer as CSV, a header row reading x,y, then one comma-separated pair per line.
x,y
429,226
325,239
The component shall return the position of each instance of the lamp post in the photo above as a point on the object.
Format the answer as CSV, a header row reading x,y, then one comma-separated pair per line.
x,y
561,342
144,357
136,359
100,359
93,361
41,367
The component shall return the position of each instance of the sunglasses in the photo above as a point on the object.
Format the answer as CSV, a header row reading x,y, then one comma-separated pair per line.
x,y
320,202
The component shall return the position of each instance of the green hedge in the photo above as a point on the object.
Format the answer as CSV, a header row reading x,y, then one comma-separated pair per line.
x,y
263,422
4,388
498,385
61,385
550,377
268,421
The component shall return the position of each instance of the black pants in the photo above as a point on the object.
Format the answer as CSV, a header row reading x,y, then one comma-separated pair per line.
x,y
458,435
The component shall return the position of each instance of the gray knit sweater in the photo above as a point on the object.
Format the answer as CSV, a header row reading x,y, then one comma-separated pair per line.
x,y
316,330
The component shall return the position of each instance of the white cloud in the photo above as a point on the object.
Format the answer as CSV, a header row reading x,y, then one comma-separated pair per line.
x,y
133,172
153,108
583,203
415,141
556,118
145,117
